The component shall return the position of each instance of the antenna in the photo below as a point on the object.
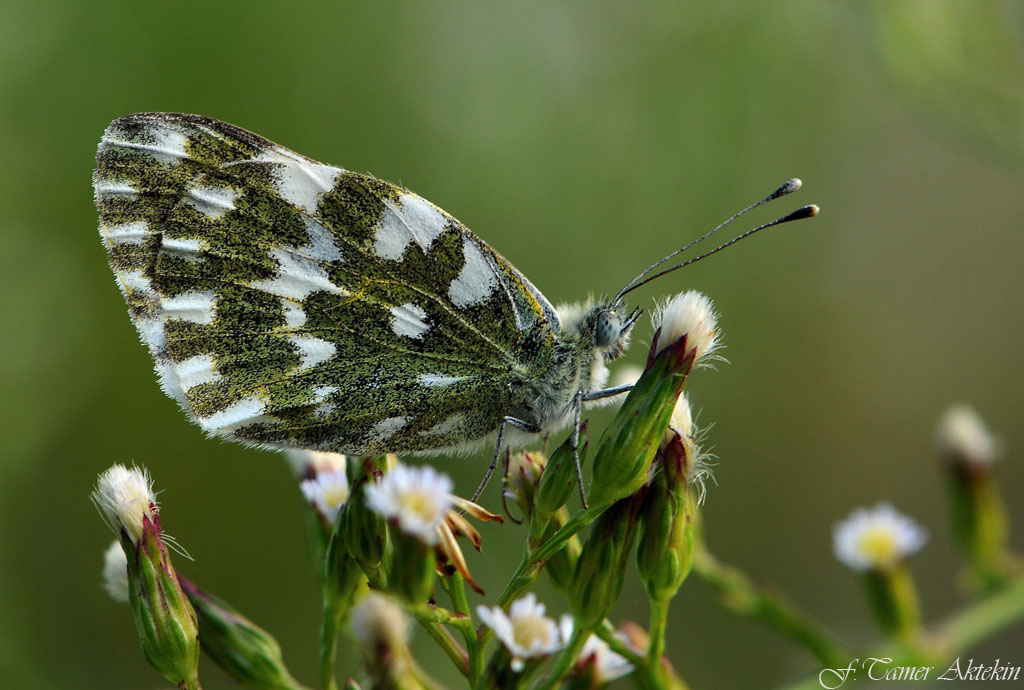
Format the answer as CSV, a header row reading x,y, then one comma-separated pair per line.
x,y
787,187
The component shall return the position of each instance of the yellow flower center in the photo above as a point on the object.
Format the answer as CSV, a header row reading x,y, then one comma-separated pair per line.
x,y
419,503
529,629
878,544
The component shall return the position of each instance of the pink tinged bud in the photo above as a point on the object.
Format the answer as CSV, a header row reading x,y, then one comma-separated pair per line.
x,y
125,498
689,315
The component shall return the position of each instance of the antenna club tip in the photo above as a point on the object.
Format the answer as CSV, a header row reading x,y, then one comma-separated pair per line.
x,y
787,187
813,210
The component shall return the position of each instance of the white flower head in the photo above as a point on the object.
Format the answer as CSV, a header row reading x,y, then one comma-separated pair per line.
x,y
962,434
378,621
876,538
525,631
690,314
417,498
327,492
124,497
115,572
607,665
682,417
309,463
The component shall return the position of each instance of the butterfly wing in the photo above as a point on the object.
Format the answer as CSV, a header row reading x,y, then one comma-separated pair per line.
x,y
290,303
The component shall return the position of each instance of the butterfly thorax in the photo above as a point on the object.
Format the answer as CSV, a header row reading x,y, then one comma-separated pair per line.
x,y
589,337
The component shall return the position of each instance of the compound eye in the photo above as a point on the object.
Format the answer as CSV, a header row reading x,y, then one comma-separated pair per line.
x,y
608,328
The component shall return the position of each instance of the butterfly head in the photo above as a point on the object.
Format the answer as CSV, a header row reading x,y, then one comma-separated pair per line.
x,y
612,326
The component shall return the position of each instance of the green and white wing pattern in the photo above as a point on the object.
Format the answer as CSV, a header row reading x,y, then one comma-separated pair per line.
x,y
290,303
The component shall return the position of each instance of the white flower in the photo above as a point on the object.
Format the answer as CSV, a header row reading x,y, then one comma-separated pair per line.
x,y
525,631
115,572
417,498
378,621
690,314
962,435
607,665
876,538
124,497
327,493
309,463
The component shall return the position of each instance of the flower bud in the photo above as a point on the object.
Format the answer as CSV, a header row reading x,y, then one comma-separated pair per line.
x,y
381,629
523,477
557,481
241,648
364,531
665,553
597,580
163,617
976,507
629,443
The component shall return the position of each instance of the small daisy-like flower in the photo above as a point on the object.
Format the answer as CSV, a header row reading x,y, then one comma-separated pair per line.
x,y
124,497
525,631
690,314
877,538
327,492
307,464
115,572
420,502
416,498
963,437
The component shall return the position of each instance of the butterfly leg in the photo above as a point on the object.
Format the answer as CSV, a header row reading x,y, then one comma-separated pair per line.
x,y
519,424
576,431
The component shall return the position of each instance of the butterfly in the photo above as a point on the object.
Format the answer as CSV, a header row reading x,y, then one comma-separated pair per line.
x,y
292,304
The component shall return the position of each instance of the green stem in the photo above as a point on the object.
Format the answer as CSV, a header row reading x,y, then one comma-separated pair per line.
x,y
432,613
448,645
978,622
607,633
959,633
745,598
456,586
656,644
329,630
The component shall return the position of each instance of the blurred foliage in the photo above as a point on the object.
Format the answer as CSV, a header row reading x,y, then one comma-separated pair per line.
x,y
583,141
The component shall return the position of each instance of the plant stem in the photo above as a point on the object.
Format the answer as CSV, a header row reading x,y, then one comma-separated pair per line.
x,y
656,645
745,598
455,584
448,645
330,626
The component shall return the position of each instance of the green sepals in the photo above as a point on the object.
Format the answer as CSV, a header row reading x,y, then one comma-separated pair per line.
x,y
363,530
245,651
664,554
164,619
597,580
629,443
557,481
893,600
979,520
412,568
561,566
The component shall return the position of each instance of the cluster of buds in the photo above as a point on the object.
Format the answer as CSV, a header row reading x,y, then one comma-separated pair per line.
x,y
174,618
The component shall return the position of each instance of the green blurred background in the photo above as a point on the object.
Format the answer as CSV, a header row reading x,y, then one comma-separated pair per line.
x,y
583,140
